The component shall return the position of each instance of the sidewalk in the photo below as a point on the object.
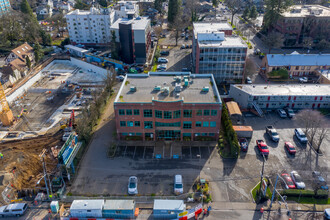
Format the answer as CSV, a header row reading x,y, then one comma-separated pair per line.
x,y
265,206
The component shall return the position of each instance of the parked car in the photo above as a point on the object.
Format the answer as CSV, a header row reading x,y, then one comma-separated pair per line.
x,y
162,67
303,79
289,112
187,46
162,60
300,135
185,70
178,184
263,148
132,185
271,131
296,178
120,78
319,182
14,209
183,46
164,52
244,144
288,181
248,80
183,34
281,113
327,213
291,149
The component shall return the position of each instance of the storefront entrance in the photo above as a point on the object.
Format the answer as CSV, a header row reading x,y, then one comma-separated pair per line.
x,y
168,135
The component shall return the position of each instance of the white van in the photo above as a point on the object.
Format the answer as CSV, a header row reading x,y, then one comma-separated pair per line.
x,y
178,185
15,209
162,60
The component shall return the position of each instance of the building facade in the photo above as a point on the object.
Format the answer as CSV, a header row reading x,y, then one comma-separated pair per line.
x,y
296,64
301,22
295,96
90,27
4,6
168,106
134,39
127,9
216,51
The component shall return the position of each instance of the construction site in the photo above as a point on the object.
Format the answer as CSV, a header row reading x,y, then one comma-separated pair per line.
x,y
34,115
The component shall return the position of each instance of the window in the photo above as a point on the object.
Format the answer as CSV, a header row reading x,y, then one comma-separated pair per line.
x,y
213,124
122,123
128,111
137,123
198,124
187,124
147,113
148,124
199,112
206,112
136,112
211,134
167,114
130,124
205,123
121,112
158,114
187,113
297,67
214,112
177,114
204,134
161,124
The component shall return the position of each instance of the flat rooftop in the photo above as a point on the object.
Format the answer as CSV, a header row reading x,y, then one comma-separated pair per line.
x,y
296,59
285,90
228,42
168,88
211,27
119,205
139,23
307,10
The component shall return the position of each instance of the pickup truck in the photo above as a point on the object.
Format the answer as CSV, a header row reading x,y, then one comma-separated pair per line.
x,y
262,147
271,131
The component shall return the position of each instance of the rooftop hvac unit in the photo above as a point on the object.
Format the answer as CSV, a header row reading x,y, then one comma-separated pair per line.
x,y
205,89
166,90
132,89
177,87
186,82
157,88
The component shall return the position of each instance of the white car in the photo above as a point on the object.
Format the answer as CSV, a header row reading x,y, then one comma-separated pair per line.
x,y
132,185
303,80
178,184
297,180
162,67
301,136
281,113
327,213
162,60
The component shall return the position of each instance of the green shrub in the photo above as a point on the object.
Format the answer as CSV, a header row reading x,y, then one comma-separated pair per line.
x,y
305,193
281,74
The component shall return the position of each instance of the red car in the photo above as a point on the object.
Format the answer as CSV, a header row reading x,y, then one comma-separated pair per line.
x,y
288,181
291,149
263,149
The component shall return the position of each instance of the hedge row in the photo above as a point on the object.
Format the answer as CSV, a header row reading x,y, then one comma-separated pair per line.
x,y
230,133
305,193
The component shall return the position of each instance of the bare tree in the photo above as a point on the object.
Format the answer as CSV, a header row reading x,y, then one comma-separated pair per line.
x,y
250,67
323,132
234,7
193,8
178,24
274,40
158,31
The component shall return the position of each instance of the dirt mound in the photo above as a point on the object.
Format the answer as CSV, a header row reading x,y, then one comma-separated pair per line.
x,y
21,159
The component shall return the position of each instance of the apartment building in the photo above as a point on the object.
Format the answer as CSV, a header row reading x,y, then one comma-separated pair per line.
x,y
134,39
90,27
275,96
296,64
215,51
127,9
168,106
4,6
304,21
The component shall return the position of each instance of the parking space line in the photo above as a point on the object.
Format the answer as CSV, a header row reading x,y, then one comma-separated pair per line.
x,y
144,152
134,152
190,153
209,150
125,151
153,153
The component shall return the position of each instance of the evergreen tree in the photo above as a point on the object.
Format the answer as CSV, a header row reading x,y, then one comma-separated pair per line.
x,y
46,38
173,10
253,13
37,52
273,10
215,3
158,5
28,62
25,8
246,13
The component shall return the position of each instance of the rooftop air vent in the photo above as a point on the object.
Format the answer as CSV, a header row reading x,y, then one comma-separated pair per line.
x,y
157,88
132,89
205,89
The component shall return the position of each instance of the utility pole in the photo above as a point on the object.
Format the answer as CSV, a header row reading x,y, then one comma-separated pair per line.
x,y
42,156
262,172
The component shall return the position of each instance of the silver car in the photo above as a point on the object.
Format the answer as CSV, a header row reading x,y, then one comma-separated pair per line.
x,y
296,178
132,185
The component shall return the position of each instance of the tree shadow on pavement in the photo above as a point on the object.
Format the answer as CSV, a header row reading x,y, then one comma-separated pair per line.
x,y
228,166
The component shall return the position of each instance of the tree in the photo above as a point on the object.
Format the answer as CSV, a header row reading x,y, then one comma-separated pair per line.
x,y
250,68
215,3
324,129
193,8
66,41
158,31
11,26
25,8
274,40
308,42
37,52
28,62
46,38
114,46
59,22
273,10
246,13
253,13
322,45
178,24
81,5
173,10
103,3
158,4
234,7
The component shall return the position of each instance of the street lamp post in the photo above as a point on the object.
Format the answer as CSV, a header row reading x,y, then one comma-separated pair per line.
x,y
262,172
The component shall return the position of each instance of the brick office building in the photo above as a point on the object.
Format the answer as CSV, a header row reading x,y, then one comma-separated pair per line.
x,y
168,106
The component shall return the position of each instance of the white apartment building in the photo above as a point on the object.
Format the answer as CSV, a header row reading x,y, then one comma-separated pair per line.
x,y
90,27
127,9
215,51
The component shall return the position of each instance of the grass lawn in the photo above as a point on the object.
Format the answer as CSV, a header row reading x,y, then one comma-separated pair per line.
x,y
154,68
256,188
309,200
57,42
